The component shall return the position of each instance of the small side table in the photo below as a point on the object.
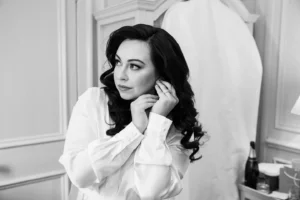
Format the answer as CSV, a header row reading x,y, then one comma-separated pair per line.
x,y
247,193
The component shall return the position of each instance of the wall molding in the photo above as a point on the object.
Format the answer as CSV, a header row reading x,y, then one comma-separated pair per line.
x,y
85,42
288,147
156,7
128,6
281,161
163,7
62,64
65,187
32,179
31,140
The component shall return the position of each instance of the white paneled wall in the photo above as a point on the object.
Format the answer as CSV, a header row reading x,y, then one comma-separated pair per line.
x,y
277,35
23,34
37,91
45,190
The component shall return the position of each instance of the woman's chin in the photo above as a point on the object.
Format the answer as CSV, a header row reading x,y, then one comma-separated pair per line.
x,y
127,96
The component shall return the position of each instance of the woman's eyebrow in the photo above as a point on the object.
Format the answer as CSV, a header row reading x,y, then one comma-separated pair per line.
x,y
118,57
136,60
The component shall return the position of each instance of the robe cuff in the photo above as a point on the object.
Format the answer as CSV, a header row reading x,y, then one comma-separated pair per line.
x,y
158,126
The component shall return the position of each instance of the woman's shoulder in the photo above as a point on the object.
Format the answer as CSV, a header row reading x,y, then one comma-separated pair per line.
x,y
94,101
94,94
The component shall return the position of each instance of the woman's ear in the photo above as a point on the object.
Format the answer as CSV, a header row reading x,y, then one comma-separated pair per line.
x,y
161,78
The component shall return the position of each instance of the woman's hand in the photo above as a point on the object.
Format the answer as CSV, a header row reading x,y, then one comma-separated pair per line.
x,y
138,113
167,98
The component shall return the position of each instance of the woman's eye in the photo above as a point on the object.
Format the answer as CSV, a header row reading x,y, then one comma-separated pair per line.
x,y
117,62
134,67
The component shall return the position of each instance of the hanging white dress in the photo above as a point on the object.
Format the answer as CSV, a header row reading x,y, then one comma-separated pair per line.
x,y
225,74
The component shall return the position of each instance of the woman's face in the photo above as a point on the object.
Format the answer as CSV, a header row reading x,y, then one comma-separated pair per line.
x,y
134,73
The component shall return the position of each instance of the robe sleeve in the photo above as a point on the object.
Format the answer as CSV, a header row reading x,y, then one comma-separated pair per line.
x,y
88,159
158,166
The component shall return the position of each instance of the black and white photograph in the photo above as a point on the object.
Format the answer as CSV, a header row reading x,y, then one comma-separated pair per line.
x,y
150,99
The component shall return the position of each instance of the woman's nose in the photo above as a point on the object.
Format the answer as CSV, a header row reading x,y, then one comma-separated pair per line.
x,y
122,73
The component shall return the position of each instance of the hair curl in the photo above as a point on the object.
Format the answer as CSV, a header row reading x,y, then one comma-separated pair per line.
x,y
170,63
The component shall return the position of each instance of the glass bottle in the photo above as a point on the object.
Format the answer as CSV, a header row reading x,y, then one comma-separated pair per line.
x,y
251,169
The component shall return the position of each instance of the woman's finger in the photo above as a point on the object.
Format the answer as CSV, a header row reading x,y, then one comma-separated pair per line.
x,y
145,96
150,100
170,87
146,99
166,84
165,90
162,86
158,90
148,105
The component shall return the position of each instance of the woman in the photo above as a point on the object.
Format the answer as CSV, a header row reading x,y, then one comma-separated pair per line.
x,y
134,138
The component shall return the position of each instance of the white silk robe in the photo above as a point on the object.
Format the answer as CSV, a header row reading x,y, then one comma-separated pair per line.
x,y
128,166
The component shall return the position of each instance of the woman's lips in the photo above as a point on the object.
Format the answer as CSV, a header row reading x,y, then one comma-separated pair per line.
x,y
123,88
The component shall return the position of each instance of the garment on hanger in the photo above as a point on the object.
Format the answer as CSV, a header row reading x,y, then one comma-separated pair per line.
x,y
225,74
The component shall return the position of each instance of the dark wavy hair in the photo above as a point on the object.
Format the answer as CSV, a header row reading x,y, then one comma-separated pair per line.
x,y
170,63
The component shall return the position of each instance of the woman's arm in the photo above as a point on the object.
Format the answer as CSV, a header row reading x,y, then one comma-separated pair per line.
x,y
159,167
86,158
